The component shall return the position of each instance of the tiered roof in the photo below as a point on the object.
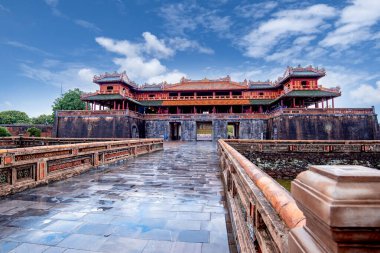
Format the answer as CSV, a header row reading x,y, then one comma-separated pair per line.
x,y
114,77
224,83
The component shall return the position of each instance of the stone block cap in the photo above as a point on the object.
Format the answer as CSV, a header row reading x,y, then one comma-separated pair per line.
x,y
340,196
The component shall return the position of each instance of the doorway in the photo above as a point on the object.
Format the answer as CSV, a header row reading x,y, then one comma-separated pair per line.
x,y
233,130
175,131
204,131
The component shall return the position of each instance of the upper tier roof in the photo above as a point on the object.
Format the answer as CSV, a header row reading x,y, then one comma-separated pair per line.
x,y
301,72
113,78
205,84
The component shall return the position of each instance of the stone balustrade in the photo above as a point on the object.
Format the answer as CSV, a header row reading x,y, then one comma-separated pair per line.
x,y
330,209
262,212
22,168
21,141
306,146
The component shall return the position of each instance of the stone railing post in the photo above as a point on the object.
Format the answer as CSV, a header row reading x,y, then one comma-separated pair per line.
x,y
342,209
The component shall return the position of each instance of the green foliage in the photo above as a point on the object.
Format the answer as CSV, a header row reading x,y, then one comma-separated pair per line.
x,y
69,101
43,119
34,131
286,183
14,117
4,132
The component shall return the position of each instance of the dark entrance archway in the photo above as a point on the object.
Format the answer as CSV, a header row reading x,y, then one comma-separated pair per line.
x,y
175,131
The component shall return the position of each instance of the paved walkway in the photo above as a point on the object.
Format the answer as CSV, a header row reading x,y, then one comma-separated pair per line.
x,y
168,201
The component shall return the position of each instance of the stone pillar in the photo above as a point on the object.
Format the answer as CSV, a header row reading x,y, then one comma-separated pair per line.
x,y
341,204
323,104
41,169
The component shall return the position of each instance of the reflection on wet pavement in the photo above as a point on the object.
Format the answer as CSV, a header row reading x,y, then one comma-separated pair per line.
x,y
168,201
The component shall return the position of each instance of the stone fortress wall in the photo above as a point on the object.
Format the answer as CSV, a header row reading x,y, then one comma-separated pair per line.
x,y
309,124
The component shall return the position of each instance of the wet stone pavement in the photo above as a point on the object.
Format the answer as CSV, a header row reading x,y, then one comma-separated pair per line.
x,y
167,201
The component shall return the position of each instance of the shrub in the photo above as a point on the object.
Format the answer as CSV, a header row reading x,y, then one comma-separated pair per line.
x,y
4,132
34,131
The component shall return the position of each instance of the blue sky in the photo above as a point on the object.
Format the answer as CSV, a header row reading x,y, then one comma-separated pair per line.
x,y
48,43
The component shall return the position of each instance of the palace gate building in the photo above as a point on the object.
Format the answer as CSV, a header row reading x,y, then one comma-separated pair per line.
x,y
293,107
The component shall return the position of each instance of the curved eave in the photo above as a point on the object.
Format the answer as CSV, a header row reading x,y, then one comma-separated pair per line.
x,y
311,75
311,93
103,97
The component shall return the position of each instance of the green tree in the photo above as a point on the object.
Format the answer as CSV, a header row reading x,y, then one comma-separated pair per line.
x,y
14,117
4,132
34,131
43,119
69,101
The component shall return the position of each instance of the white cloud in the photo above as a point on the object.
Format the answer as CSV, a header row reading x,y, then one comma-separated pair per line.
x,y
156,47
26,47
183,44
52,3
142,60
366,94
140,69
139,58
354,25
122,47
70,78
8,104
256,10
184,17
170,77
348,80
87,25
287,23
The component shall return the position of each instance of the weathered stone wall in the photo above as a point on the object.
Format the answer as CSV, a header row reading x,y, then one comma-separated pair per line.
x,y
288,165
114,126
323,127
286,159
15,130
248,129
161,129
282,127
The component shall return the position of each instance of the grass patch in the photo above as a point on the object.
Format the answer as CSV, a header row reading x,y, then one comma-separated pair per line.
x,y
285,183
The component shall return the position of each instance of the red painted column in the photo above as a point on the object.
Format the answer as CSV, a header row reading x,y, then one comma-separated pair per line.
x,y
231,110
323,103
213,94
86,105
332,100
230,94
316,105
114,104
294,102
260,109
123,105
